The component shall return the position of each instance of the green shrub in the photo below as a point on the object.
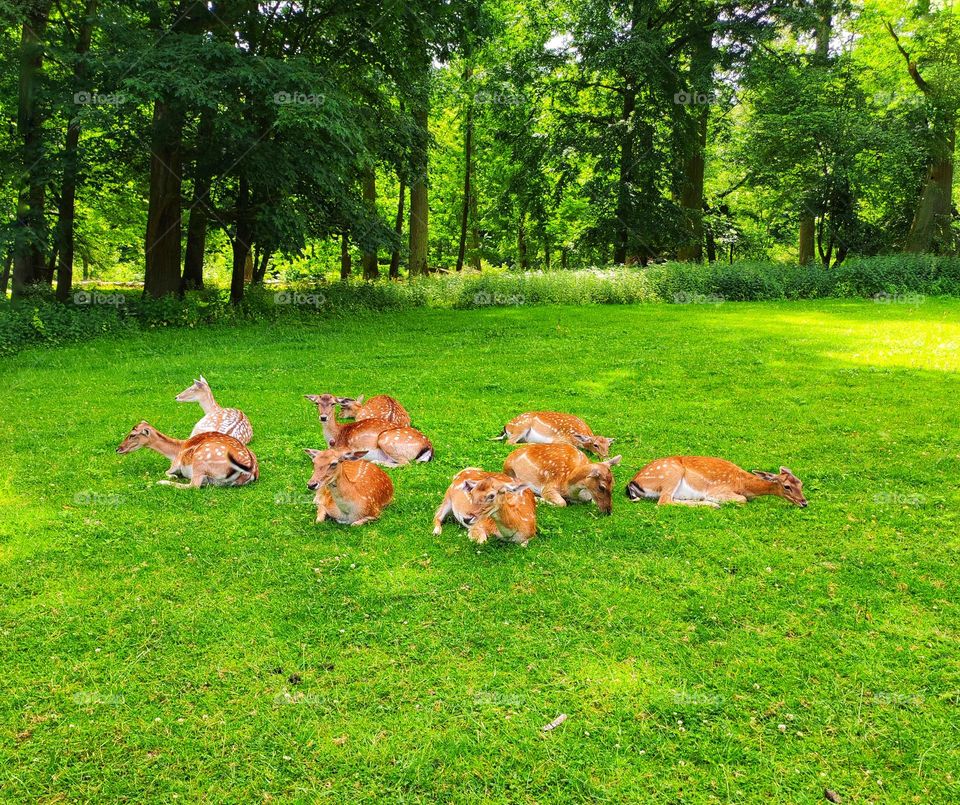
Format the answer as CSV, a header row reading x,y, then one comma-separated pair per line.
x,y
39,319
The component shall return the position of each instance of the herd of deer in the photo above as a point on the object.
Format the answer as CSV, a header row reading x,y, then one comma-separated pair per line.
x,y
350,488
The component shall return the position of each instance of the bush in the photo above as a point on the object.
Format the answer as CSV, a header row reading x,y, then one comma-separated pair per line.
x,y
39,319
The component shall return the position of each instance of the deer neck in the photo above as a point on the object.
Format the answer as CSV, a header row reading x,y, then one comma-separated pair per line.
x,y
165,445
208,403
755,487
331,429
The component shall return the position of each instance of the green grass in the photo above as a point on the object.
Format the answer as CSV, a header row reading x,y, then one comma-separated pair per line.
x,y
220,645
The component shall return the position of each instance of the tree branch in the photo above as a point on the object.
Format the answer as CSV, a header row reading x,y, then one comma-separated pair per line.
x,y
911,64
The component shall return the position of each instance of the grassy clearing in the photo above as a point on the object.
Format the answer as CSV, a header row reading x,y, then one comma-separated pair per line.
x,y
220,645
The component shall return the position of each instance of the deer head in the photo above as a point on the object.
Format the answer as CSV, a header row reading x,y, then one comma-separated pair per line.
x,y
326,462
484,497
598,445
788,486
597,481
350,406
326,405
139,437
195,392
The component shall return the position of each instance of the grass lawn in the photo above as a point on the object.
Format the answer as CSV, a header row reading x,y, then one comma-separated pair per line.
x,y
220,645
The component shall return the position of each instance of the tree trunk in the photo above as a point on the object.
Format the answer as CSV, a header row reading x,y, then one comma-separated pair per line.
x,y
522,242
398,228
260,266
29,235
68,194
371,270
419,205
807,229
931,230
5,274
344,256
625,184
467,169
162,274
241,240
197,225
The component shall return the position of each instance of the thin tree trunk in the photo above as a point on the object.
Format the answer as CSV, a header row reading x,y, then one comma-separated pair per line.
x,y
28,241
5,274
199,220
522,242
807,229
241,240
467,169
162,243
371,270
68,194
419,204
344,256
260,267
398,228
625,183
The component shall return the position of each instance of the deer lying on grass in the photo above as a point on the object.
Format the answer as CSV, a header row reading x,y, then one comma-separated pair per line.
x,y
379,407
703,481
561,473
383,441
549,427
348,490
489,504
230,421
207,458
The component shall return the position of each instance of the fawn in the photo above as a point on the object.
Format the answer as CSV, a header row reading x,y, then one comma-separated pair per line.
x,y
473,501
207,458
561,473
230,421
383,441
704,481
379,407
550,427
348,490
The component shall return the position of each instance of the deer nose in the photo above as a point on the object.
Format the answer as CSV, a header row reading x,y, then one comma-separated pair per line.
x,y
803,505
313,485
323,417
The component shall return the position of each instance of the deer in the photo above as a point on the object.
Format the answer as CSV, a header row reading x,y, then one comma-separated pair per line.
x,y
384,442
705,481
472,501
349,491
230,421
379,407
207,458
559,473
550,427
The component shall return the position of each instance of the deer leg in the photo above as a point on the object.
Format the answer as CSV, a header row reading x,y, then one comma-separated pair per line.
x,y
441,514
479,532
363,521
553,496
727,497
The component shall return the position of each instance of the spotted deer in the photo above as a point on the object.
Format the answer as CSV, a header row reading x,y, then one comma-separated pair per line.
x,y
550,427
704,481
230,421
379,407
207,458
349,490
384,442
471,500
561,473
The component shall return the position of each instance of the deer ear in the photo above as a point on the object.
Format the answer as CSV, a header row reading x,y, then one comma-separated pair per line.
x,y
313,398
583,439
516,487
359,399
767,476
203,380
312,453
785,471
612,462
468,486
353,455
345,400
